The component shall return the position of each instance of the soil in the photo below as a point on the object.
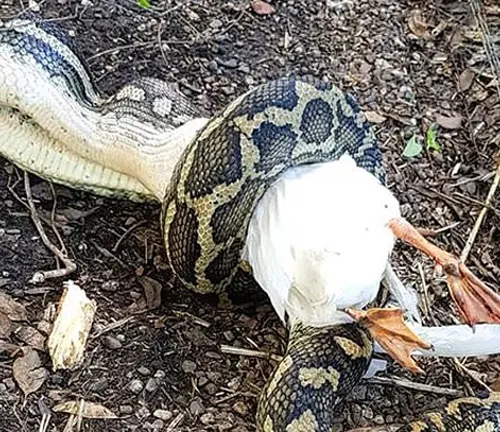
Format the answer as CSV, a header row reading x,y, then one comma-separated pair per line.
x,y
412,65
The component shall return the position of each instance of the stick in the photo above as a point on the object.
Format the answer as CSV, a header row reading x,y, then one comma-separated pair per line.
x,y
227,349
69,266
415,386
482,213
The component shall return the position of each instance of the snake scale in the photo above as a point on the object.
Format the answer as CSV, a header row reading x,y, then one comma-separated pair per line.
x,y
54,123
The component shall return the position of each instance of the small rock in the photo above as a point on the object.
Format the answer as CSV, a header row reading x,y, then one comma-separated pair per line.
x,y
243,67
378,419
3,388
227,90
228,335
211,388
159,374
207,418
143,412
196,407
212,65
136,386
151,385
240,408
143,370
188,366
230,63
158,424
163,414
100,385
126,409
111,342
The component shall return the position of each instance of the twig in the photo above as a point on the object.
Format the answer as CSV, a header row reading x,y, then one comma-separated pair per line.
x,y
227,349
482,213
427,303
112,326
125,234
461,368
489,47
415,386
174,423
69,266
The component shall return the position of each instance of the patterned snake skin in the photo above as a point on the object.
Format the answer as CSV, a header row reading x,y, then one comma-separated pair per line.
x,y
218,180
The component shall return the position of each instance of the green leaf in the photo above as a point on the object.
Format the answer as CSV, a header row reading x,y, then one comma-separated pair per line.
x,y
413,147
431,139
144,3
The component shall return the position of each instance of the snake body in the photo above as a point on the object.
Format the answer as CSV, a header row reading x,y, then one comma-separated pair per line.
x,y
54,123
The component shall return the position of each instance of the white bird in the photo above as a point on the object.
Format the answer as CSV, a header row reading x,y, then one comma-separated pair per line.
x,y
319,241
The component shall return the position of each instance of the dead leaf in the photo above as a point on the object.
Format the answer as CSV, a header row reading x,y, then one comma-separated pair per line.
x,y
14,310
453,122
417,25
375,117
262,8
28,371
465,79
31,337
495,386
85,409
5,326
152,292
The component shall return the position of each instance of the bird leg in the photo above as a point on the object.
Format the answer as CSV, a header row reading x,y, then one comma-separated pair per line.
x,y
387,327
476,302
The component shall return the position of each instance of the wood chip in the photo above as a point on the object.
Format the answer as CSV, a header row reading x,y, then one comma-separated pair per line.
x,y
28,371
85,409
71,328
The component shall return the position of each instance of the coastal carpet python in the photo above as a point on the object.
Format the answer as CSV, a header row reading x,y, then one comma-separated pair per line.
x,y
53,122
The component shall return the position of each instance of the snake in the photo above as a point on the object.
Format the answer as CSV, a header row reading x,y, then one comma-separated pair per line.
x,y
149,142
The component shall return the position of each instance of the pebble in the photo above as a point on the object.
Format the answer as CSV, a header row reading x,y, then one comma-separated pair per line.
x,y
207,418
228,335
3,388
111,342
230,63
163,414
143,370
227,90
100,385
212,65
188,366
159,374
240,408
151,385
378,419
143,412
136,386
196,407
126,409
158,424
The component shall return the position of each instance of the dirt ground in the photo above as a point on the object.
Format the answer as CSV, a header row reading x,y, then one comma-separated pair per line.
x,y
164,369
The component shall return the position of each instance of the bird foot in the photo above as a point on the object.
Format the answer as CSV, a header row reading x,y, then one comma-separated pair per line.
x,y
476,303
